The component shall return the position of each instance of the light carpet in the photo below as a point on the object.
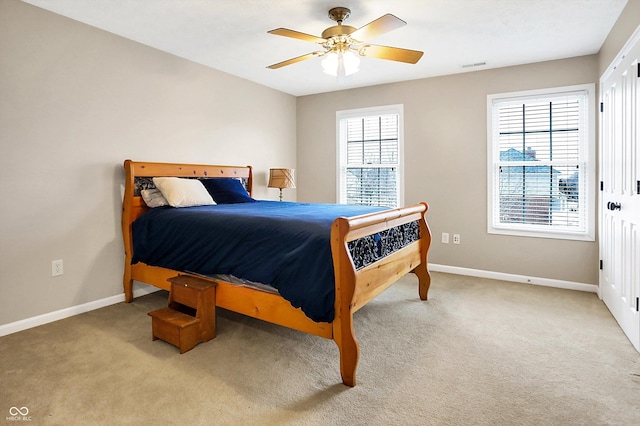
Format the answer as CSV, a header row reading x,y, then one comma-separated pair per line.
x,y
478,352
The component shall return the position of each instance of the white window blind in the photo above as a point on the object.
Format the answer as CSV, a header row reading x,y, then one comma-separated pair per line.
x,y
369,144
540,166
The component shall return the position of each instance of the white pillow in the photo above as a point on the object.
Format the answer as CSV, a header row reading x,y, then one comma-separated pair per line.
x,y
181,192
153,198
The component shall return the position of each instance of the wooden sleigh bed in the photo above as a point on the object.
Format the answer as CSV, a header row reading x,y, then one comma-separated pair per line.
x,y
354,286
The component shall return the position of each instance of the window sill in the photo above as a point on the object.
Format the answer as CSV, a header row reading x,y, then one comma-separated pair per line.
x,y
558,235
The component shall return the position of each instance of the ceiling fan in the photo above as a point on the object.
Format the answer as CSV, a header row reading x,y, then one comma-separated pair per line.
x,y
341,43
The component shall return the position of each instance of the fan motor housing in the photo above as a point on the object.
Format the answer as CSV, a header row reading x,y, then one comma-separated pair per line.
x,y
338,30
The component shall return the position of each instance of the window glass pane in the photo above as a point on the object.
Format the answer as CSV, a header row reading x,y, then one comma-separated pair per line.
x,y
389,127
373,186
371,128
355,152
389,152
371,152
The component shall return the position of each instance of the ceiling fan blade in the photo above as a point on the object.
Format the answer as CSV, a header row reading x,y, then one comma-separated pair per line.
x,y
381,25
296,34
391,53
294,60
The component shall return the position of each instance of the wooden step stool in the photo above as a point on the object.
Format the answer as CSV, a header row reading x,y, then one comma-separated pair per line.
x,y
190,317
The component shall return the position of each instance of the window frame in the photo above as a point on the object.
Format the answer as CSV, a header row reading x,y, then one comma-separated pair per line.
x,y
341,146
587,157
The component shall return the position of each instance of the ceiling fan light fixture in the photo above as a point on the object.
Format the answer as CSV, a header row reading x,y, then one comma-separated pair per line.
x,y
340,64
341,41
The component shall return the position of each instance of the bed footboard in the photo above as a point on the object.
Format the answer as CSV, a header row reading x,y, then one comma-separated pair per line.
x,y
358,282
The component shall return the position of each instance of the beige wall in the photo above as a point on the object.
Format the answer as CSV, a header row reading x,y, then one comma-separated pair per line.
x,y
74,103
445,123
624,27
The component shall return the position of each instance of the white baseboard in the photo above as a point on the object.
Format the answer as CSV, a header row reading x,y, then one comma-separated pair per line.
x,y
27,323
547,282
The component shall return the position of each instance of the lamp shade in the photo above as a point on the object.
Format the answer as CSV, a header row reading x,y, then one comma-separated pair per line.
x,y
341,64
281,178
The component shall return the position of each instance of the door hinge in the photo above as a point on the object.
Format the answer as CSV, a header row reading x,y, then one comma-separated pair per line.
x,y
601,106
638,187
601,186
601,264
638,64
637,304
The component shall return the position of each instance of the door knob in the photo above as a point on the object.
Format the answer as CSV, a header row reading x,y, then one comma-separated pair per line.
x,y
613,206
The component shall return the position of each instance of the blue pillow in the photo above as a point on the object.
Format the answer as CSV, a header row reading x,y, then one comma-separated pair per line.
x,y
227,190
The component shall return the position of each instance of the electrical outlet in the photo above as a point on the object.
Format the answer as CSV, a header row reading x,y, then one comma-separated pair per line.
x,y
445,238
456,238
56,268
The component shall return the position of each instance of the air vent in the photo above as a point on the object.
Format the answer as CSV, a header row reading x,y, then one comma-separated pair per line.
x,y
474,65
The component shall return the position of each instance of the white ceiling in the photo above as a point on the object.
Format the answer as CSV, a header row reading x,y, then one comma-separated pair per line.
x,y
231,35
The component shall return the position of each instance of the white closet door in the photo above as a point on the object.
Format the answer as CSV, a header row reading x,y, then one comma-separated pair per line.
x,y
620,190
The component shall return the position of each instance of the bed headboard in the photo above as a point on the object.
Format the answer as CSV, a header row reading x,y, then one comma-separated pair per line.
x,y
136,171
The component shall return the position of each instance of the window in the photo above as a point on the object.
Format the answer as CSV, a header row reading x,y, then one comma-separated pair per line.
x,y
541,163
370,156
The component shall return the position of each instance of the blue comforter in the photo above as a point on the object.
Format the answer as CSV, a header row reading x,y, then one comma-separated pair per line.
x,y
282,244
